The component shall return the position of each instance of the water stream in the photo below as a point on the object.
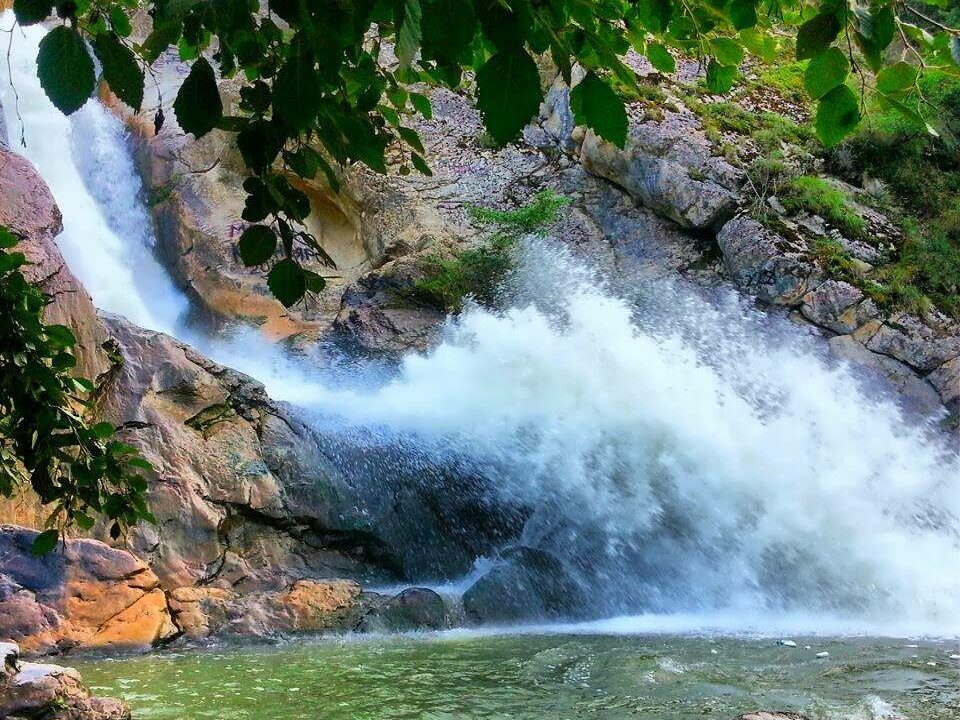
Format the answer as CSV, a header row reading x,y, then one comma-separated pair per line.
x,y
696,466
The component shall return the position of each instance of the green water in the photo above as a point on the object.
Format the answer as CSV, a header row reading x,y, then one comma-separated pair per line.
x,y
538,677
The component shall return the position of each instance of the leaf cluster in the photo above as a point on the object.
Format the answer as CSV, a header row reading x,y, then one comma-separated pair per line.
x,y
80,470
326,83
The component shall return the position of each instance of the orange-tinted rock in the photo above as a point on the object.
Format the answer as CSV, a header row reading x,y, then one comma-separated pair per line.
x,y
82,594
311,605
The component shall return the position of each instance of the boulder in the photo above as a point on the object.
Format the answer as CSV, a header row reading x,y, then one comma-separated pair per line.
x,y
526,584
413,609
838,306
82,594
946,379
658,170
921,345
50,692
766,264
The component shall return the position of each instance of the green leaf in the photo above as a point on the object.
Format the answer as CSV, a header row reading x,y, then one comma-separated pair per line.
x,y
825,72
120,69
596,105
660,58
198,106
838,113
508,93
65,69
257,245
421,165
103,430
727,51
305,162
421,103
897,78
61,336
7,238
411,138
720,77
287,282
297,93
45,542
743,14
655,14
448,28
83,521
314,282
30,12
409,34
816,35
507,27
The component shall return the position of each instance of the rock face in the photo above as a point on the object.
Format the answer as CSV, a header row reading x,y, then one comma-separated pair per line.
x,y
50,692
28,209
84,593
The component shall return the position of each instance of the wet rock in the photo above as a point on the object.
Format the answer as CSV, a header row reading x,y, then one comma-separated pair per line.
x,y
915,392
379,314
50,692
837,305
83,594
920,345
946,379
412,609
527,584
764,263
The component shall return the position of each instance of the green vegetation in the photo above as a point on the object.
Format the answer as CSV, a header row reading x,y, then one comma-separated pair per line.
x,y
475,273
922,172
816,195
78,469
316,92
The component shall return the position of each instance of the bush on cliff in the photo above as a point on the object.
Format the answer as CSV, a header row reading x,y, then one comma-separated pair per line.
x,y
79,470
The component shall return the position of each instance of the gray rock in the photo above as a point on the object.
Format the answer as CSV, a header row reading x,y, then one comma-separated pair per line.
x,y
50,692
413,609
764,263
916,343
836,305
946,379
689,194
528,584
916,393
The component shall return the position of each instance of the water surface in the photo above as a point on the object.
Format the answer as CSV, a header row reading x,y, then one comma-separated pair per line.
x,y
540,677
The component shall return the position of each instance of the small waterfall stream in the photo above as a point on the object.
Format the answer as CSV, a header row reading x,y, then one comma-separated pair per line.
x,y
680,456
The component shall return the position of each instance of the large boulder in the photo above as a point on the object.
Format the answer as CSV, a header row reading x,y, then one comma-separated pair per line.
x,y
82,594
50,692
413,609
765,264
526,584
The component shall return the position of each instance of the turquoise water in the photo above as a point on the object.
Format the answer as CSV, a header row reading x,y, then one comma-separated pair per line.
x,y
539,677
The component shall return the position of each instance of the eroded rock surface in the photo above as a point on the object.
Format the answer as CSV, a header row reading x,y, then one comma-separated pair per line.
x,y
84,593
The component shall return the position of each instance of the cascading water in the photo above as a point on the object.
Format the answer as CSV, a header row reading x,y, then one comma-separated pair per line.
x,y
677,455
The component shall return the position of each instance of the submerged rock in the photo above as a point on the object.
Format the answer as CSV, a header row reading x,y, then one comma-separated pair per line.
x,y
49,692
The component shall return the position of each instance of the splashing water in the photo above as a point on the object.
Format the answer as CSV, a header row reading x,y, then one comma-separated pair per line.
x,y
679,455
687,455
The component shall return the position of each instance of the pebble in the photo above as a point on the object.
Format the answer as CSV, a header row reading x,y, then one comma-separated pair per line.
x,y
823,654
955,657
788,643
714,651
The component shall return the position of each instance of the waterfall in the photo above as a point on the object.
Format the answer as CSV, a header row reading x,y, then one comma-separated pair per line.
x,y
107,237
678,454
